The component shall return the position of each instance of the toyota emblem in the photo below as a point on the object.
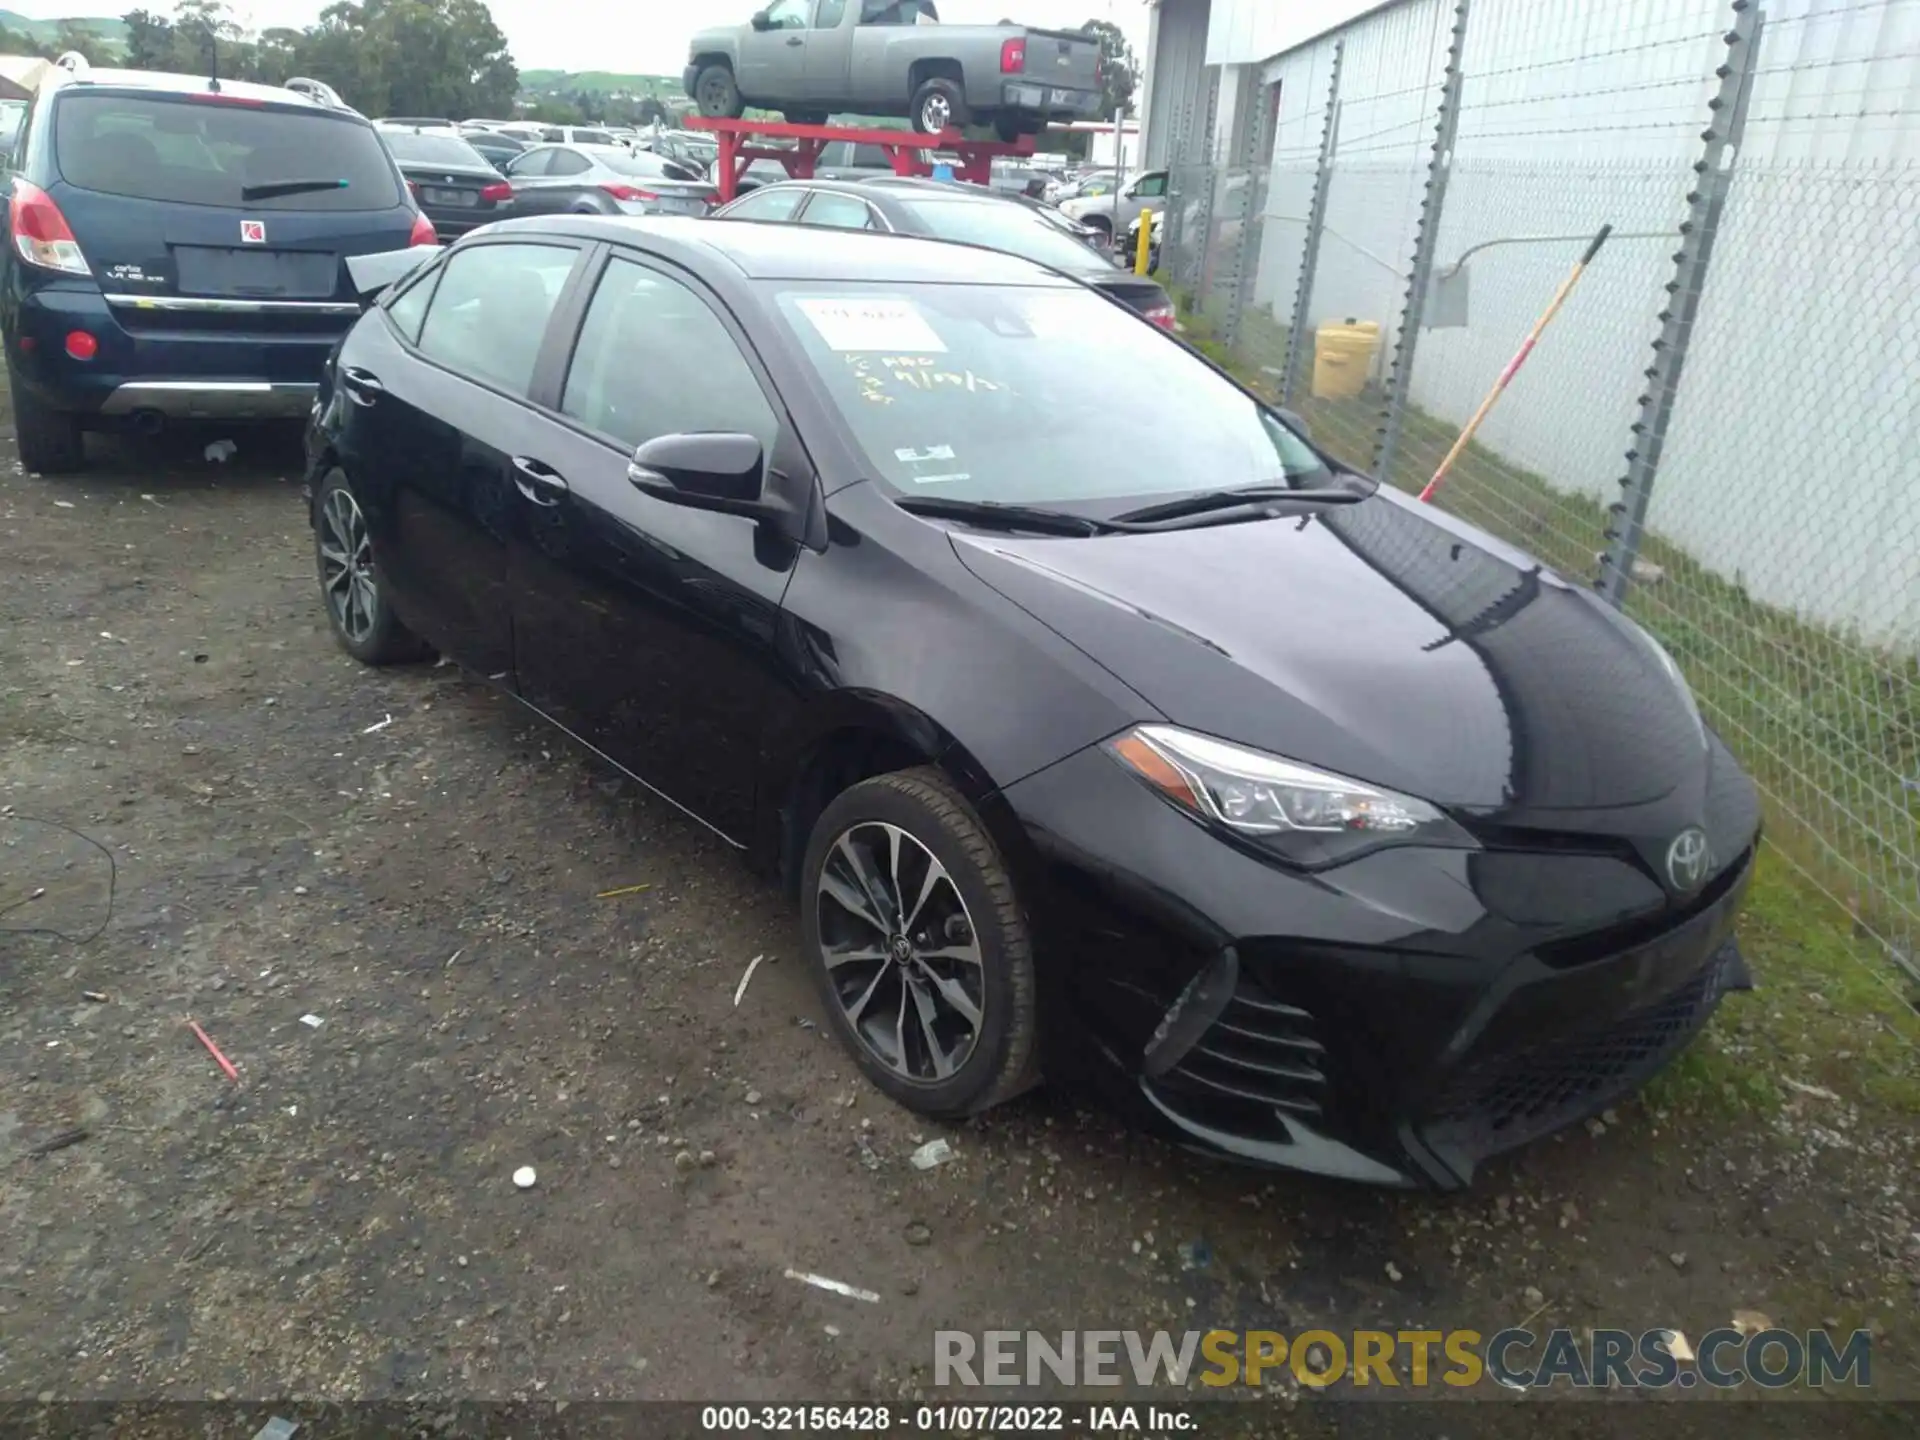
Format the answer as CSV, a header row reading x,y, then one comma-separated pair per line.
x,y
1688,858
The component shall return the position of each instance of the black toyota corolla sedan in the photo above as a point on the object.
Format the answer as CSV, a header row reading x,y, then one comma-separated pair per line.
x,y
1103,729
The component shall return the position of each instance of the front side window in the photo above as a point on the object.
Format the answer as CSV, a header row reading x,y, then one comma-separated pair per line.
x,y
653,359
829,13
202,152
1037,396
775,203
787,15
489,313
568,162
838,212
531,164
1150,187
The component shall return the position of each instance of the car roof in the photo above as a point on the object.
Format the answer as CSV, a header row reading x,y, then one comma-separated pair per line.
x,y
96,78
795,252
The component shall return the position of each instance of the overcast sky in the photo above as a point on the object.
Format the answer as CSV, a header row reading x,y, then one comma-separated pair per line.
x,y
638,36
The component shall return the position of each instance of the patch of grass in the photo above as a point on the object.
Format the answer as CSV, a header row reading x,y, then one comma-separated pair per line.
x,y
1828,725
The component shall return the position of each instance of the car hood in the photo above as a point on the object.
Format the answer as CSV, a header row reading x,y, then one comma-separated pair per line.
x,y
1385,640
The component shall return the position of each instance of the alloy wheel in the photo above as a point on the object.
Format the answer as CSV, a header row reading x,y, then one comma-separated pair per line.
x,y
935,114
902,955
346,565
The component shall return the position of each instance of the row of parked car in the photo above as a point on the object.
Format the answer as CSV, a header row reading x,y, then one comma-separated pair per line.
x,y
176,240
1104,729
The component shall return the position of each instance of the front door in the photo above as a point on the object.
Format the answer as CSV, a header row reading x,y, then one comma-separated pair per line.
x,y
828,55
648,628
427,436
773,62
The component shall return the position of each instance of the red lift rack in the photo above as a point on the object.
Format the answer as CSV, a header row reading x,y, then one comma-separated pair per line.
x,y
905,149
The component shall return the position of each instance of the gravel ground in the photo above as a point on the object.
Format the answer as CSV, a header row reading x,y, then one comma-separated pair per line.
x,y
409,860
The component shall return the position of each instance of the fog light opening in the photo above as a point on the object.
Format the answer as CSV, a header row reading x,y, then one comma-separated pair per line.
x,y
1190,1016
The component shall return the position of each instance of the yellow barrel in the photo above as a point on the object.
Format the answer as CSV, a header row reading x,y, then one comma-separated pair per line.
x,y
1342,357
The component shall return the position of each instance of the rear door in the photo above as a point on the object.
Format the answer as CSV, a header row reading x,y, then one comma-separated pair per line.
x,y
436,386
549,180
203,214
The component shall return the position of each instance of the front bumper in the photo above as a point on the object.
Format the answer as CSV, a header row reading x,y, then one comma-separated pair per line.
x,y
1394,1020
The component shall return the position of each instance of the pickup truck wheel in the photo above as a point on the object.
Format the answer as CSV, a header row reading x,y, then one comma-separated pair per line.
x,y
717,93
48,439
939,105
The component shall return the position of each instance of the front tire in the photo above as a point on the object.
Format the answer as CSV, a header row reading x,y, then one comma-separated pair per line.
x,y
49,440
920,951
717,93
363,620
939,105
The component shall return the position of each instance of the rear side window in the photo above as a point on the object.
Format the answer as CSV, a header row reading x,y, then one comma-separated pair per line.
x,y
210,153
489,312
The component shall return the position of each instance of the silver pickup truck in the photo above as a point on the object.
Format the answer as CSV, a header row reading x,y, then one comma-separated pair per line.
x,y
813,58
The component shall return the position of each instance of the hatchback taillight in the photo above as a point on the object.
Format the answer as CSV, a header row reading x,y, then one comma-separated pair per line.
x,y
41,234
423,232
496,192
1013,56
629,192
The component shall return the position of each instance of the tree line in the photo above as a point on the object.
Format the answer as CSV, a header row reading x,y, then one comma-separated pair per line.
x,y
385,57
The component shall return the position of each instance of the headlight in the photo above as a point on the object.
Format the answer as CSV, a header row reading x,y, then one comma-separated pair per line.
x,y
1309,817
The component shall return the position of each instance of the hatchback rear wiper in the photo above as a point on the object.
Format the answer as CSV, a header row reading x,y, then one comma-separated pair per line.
x,y
274,189
1207,501
1000,516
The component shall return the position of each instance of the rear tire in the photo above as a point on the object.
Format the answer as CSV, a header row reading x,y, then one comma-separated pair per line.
x,y
717,93
351,586
1011,127
942,1016
939,105
49,440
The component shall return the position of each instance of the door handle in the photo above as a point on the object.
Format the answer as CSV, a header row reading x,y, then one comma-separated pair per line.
x,y
539,482
796,40
363,387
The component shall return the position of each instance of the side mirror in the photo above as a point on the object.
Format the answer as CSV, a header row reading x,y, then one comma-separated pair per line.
x,y
760,21
709,471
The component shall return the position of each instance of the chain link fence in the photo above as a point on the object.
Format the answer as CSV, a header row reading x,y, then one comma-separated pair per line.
x,y
1721,427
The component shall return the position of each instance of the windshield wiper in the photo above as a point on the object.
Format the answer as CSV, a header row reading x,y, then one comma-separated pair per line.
x,y
274,189
1207,501
1004,517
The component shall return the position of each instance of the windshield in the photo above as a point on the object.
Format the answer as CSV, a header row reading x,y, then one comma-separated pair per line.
x,y
1008,227
1032,396
206,152
432,150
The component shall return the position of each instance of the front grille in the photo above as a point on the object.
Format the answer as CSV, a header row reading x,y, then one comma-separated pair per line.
x,y
1511,1099
1261,1056
1645,930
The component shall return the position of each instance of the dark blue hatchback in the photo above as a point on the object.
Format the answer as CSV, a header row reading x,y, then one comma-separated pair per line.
x,y
175,249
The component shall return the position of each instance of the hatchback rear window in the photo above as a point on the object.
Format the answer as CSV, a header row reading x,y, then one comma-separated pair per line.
x,y
195,152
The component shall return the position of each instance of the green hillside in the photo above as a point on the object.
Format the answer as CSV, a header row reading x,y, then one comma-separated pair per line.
x,y
597,82
107,27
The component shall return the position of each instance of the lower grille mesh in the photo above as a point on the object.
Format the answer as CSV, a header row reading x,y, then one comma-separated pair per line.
x,y
1260,1056
1510,1099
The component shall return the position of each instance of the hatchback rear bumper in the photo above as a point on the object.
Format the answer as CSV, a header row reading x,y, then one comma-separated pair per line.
x,y
177,358
211,399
